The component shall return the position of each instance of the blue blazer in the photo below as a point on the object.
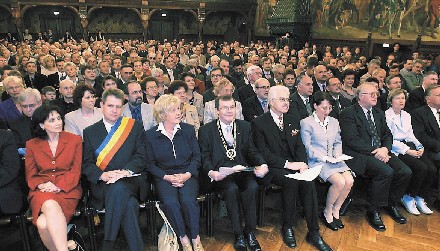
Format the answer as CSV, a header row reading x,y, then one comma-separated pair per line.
x,y
170,157
9,111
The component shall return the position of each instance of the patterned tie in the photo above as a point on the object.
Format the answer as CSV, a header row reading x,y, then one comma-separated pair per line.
x,y
228,136
137,115
308,107
372,128
281,124
264,105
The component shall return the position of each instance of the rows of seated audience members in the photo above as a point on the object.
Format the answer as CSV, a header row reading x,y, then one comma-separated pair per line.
x,y
122,116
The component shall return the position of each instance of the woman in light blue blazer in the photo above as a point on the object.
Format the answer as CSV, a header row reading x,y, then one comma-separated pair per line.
x,y
408,149
321,136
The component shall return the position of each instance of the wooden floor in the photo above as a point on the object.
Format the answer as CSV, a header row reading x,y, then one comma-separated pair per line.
x,y
419,234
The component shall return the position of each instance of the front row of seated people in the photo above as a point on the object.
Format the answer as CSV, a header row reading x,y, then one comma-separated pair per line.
x,y
275,143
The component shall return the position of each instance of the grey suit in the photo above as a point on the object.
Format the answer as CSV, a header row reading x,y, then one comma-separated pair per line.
x,y
147,115
321,142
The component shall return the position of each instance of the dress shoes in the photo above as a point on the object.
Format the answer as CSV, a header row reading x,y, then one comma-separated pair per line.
x,y
375,221
332,225
393,211
240,242
253,242
338,223
317,241
289,237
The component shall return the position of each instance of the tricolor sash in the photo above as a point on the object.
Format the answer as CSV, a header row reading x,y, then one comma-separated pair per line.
x,y
114,140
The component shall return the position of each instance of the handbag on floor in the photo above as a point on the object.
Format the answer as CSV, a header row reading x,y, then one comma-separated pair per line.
x,y
167,240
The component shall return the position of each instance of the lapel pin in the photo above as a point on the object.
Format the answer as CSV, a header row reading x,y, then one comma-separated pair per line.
x,y
294,132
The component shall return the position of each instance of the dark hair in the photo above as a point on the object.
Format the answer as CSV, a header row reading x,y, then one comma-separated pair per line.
x,y
176,85
186,74
78,93
222,98
372,79
47,89
84,68
126,66
144,81
319,97
289,71
218,69
348,72
107,78
40,115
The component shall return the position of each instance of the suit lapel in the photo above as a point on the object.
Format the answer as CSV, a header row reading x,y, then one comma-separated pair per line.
x,y
361,115
274,129
258,105
431,120
62,142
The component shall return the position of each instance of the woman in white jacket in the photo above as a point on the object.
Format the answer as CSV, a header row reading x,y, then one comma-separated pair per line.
x,y
410,151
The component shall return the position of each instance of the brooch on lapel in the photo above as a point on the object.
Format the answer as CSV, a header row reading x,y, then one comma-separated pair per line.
x,y
294,132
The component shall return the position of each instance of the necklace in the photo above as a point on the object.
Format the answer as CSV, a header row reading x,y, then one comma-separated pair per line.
x,y
230,152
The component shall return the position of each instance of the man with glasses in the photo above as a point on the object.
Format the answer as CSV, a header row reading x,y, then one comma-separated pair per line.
x,y
216,75
259,104
29,100
66,101
301,101
253,73
340,102
10,109
136,108
367,138
276,135
226,142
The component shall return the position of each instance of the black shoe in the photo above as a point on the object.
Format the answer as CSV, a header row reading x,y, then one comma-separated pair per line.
x,y
395,214
436,205
338,223
317,241
345,206
332,225
253,242
289,237
240,243
375,221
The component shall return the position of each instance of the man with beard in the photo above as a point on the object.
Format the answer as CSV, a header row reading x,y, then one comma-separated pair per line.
x,y
135,107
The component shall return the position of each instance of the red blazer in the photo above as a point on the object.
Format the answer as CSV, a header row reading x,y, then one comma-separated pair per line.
x,y
63,170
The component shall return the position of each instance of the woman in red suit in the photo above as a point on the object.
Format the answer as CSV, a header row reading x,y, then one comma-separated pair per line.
x,y
53,170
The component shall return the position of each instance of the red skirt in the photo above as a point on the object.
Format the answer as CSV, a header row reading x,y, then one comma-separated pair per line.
x,y
68,205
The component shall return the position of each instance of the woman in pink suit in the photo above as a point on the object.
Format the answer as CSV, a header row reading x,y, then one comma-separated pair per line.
x,y
53,171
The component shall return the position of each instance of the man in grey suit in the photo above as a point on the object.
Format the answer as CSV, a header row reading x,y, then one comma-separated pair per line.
x,y
135,107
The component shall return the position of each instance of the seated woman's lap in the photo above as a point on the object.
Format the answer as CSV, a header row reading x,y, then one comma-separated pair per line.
x,y
169,194
68,205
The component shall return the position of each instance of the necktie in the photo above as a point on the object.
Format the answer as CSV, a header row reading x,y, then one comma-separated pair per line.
x,y
228,136
170,73
337,106
281,125
372,128
137,115
267,74
264,105
63,76
308,107
118,75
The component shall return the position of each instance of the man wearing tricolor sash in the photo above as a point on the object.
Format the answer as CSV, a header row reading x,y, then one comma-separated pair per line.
x,y
114,155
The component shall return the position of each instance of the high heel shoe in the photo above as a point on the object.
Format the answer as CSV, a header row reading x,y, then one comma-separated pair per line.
x,y
338,223
332,225
198,247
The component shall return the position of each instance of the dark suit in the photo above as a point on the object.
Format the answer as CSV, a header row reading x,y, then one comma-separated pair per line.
x,y
427,132
316,87
39,82
8,110
176,73
246,92
119,199
11,196
252,108
65,107
416,99
21,128
177,157
239,185
389,179
343,103
297,106
278,147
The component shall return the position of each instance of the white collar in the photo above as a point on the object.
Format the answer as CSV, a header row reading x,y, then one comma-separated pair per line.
x,y
275,117
303,98
161,128
107,125
323,124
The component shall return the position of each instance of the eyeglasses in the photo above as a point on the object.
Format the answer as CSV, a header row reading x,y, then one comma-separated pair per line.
x,y
371,94
282,99
28,106
216,75
151,87
263,87
129,72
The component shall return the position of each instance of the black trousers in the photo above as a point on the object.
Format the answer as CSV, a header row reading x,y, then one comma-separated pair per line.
x,y
423,174
291,188
390,181
180,206
236,188
122,211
